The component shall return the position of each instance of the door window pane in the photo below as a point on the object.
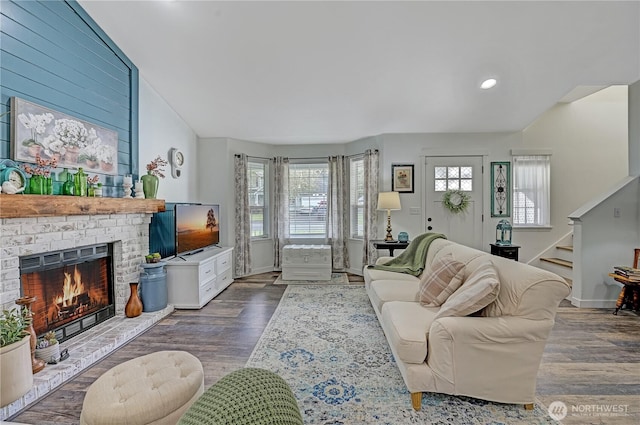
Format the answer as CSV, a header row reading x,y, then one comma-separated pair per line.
x,y
453,178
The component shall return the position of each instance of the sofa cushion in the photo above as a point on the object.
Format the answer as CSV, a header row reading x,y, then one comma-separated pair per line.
x,y
383,291
406,325
371,275
480,289
441,281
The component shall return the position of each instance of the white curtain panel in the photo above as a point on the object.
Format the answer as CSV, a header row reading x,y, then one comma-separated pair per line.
x,y
243,217
531,176
371,167
338,212
280,224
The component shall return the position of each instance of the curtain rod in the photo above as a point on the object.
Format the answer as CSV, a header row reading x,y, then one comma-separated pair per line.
x,y
312,157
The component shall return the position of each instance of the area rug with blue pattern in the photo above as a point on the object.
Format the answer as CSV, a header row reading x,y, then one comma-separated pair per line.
x,y
325,341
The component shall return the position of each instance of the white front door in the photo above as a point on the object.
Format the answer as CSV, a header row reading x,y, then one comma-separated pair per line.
x,y
454,172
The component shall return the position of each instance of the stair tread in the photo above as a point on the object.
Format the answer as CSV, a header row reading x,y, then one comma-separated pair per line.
x,y
558,261
565,247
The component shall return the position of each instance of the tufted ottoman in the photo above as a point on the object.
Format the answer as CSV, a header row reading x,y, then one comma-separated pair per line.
x,y
153,389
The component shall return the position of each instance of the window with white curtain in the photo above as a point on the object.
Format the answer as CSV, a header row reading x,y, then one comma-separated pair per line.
x,y
531,190
308,186
258,177
356,196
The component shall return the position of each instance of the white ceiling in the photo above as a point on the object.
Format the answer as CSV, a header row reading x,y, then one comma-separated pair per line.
x,y
331,72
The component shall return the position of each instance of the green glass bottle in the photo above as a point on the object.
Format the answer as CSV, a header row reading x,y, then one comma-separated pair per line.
x,y
68,187
58,184
63,176
80,183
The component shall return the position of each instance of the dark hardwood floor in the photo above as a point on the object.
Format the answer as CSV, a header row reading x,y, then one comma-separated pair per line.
x,y
592,359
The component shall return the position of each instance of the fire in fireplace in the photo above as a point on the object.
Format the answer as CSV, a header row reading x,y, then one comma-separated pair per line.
x,y
73,289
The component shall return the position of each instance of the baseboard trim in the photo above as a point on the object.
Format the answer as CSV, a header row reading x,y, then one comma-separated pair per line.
x,y
593,303
258,271
355,271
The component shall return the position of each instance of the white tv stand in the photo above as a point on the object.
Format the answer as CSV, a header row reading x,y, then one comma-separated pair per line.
x,y
194,280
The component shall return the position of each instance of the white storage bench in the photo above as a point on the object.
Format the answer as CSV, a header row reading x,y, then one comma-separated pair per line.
x,y
306,262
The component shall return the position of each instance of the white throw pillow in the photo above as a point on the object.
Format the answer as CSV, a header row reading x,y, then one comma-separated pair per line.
x,y
479,290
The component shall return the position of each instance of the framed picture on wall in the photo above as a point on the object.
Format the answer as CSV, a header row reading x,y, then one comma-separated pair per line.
x,y
43,132
402,178
500,189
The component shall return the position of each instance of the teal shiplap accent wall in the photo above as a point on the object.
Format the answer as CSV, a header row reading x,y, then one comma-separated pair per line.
x,y
52,53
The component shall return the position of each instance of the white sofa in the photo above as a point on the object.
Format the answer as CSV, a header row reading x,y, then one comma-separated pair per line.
x,y
492,356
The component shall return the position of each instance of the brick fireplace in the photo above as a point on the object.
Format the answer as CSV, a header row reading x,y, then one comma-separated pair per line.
x,y
63,224
73,289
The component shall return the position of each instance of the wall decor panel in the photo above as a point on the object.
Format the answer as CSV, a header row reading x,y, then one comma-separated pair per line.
x,y
52,53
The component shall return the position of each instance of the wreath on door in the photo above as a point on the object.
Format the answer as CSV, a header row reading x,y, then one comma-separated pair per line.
x,y
456,201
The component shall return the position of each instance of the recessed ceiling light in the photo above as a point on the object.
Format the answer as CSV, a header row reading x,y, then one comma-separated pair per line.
x,y
487,84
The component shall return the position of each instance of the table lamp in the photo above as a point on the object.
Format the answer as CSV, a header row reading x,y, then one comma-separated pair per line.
x,y
388,201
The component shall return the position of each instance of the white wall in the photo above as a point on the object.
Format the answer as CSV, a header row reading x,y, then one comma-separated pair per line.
x,y
414,148
605,241
589,140
216,176
634,129
160,129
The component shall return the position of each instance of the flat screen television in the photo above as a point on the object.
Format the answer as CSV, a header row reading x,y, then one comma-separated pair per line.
x,y
197,227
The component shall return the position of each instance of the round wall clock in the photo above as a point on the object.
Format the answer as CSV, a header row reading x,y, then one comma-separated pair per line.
x,y
176,158
11,172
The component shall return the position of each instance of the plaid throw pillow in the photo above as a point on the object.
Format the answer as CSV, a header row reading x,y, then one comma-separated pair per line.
x,y
480,289
441,281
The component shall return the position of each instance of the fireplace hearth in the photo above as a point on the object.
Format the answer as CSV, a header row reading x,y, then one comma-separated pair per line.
x,y
33,225
73,289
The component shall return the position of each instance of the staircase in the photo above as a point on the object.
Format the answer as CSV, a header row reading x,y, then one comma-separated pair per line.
x,y
559,260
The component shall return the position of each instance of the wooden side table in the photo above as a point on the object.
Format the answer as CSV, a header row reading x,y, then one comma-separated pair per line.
x,y
506,251
391,246
630,292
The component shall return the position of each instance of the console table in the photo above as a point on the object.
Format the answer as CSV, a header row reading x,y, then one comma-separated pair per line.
x,y
193,280
390,245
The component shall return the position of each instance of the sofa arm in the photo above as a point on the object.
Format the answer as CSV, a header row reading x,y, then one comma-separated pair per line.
x,y
382,260
493,358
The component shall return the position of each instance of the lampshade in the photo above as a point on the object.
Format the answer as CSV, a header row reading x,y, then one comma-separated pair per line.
x,y
388,201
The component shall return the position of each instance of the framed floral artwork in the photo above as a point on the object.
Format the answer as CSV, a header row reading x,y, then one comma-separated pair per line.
x,y
402,178
74,143
500,189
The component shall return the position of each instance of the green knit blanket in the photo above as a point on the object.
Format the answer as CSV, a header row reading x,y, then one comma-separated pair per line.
x,y
412,259
248,396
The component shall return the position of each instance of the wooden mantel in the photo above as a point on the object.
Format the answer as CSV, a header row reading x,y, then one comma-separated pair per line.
x,y
19,206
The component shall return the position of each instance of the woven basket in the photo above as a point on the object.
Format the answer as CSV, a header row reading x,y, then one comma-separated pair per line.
x,y
49,353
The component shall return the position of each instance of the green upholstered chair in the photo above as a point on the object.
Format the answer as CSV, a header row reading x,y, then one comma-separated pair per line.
x,y
246,396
